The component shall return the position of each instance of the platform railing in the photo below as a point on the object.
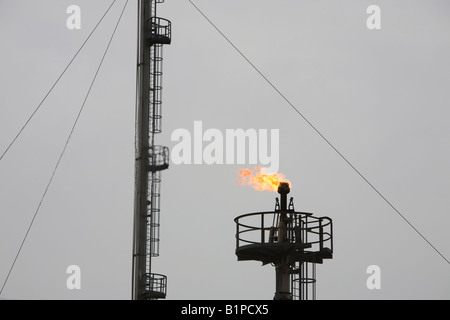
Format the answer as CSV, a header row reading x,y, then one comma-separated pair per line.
x,y
155,285
256,228
160,28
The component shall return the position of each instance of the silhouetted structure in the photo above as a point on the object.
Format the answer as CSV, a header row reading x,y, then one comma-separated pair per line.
x,y
291,241
151,159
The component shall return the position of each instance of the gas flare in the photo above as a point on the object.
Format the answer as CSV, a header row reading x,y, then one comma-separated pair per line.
x,y
259,180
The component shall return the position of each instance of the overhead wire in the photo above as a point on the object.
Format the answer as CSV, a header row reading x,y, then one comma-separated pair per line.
x,y
317,131
54,84
64,149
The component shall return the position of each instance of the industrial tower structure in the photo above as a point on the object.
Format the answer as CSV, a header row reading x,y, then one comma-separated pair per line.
x,y
151,159
293,242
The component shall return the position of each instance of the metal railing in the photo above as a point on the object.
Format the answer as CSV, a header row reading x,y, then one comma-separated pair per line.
x,y
256,228
158,158
155,285
160,29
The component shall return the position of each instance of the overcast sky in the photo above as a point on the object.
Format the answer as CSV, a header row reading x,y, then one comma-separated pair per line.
x,y
379,96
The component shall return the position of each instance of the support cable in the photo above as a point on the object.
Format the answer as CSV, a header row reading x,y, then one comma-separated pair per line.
x,y
319,133
55,83
64,149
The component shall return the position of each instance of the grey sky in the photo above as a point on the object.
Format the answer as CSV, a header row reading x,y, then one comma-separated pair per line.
x,y
380,97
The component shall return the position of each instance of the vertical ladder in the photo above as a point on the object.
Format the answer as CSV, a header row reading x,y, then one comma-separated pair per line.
x,y
303,274
151,158
158,159
303,281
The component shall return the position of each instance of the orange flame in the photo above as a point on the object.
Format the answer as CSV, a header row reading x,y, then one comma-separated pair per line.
x,y
259,180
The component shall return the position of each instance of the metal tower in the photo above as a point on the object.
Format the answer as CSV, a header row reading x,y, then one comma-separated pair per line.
x,y
291,241
151,159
